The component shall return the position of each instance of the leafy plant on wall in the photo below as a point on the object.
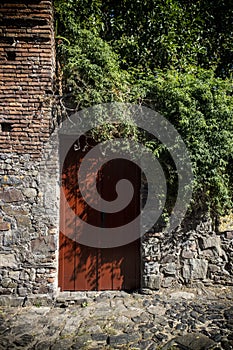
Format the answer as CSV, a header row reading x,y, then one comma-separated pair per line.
x,y
173,56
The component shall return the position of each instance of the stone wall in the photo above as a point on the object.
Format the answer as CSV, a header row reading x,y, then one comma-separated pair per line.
x,y
29,169
198,254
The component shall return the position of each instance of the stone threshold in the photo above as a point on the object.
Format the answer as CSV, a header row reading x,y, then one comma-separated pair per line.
x,y
68,298
65,298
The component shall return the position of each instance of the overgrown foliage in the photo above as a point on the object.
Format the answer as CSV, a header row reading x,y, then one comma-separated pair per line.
x,y
200,106
156,33
174,56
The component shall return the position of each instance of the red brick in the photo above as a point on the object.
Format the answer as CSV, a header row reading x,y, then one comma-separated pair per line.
x,y
24,81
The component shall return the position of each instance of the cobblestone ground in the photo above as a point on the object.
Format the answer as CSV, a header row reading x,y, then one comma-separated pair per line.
x,y
118,320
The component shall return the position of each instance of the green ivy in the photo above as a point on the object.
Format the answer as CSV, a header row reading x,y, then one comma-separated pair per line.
x,y
172,56
200,106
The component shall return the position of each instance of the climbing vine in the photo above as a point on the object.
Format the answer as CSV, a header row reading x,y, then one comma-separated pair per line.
x,y
166,56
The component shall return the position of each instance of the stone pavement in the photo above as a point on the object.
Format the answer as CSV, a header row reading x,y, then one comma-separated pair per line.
x,y
164,320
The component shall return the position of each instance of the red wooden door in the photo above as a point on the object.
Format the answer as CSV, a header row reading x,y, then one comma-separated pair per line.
x,y
87,268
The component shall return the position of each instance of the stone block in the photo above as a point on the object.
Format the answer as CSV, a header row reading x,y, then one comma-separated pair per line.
x,y
32,274
14,275
199,268
187,253
43,289
186,271
5,282
152,282
6,300
22,291
194,269
195,341
8,283
10,209
5,226
168,282
11,195
8,260
170,269
208,253
213,242
24,275
229,234
38,245
9,238
213,268
182,295
43,245
23,221
121,339
30,192
10,180
210,242
51,243
169,258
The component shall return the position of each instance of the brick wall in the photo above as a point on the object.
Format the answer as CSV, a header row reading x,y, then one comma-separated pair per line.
x,y
26,75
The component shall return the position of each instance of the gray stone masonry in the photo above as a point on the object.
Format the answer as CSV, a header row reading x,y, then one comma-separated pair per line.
x,y
188,256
